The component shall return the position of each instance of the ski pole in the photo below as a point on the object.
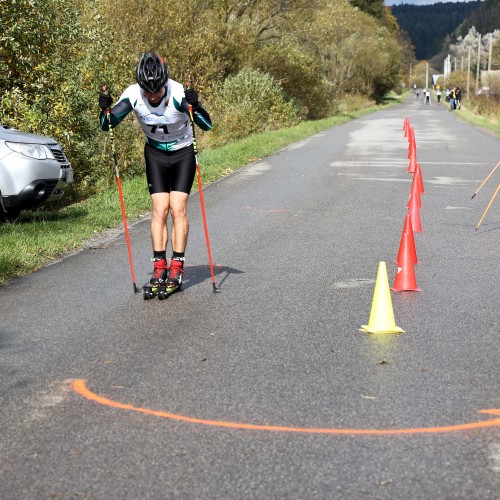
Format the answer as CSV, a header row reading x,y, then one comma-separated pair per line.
x,y
202,202
120,193
488,207
484,182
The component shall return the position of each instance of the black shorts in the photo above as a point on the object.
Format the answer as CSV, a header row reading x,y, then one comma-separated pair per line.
x,y
169,170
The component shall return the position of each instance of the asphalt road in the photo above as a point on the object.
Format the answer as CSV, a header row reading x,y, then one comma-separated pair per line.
x,y
269,389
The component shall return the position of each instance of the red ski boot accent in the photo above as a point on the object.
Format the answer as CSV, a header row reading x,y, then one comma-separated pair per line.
x,y
175,273
160,272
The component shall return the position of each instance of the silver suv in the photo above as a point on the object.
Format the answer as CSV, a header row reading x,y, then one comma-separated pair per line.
x,y
33,170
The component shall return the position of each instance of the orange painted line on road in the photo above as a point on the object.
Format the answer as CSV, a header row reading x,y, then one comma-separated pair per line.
x,y
79,386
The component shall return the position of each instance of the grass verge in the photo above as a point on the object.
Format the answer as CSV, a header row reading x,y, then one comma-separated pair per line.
x,y
40,237
468,116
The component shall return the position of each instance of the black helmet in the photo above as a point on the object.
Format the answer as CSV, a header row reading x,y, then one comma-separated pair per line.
x,y
151,72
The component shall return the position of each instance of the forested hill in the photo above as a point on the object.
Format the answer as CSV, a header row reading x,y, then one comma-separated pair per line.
x,y
428,25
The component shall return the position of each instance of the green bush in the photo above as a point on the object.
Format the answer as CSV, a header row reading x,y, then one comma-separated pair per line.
x,y
300,76
248,103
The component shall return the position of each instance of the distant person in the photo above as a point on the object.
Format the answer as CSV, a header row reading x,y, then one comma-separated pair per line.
x,y
452,99
427,96
438,95
447,94
458,98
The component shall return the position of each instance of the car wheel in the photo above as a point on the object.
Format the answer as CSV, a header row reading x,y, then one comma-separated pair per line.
x,y
11,214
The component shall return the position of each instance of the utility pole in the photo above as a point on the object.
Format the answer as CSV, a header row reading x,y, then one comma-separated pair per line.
x,y
478,62
491,49
426,75
468,73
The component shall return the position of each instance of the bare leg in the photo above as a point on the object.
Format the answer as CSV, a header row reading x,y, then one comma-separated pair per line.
x,y
180,221
159,233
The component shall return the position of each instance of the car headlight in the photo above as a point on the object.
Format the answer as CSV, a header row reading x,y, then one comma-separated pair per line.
x,y
36,151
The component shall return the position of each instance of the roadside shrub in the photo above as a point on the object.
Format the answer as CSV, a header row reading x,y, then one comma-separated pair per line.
x,y
248,103
487,106
300,76
354,102
459,79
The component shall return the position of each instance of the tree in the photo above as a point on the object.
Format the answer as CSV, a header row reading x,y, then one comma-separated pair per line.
x,y
407,54
486,18
460,50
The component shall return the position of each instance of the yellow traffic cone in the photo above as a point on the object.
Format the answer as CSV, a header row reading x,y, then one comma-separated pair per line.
x,y
381,315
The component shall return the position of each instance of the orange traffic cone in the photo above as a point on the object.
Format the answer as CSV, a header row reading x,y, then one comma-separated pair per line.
x,y
407,228
407,239
415,192
413,159
420,181
405,126
414,215
411,136
411,142
405,280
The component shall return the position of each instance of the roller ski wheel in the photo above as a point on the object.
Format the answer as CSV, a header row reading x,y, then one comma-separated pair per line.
x,y
149,291
162,293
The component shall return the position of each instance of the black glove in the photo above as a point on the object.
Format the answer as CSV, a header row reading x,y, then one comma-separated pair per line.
x,y
192,97
105,100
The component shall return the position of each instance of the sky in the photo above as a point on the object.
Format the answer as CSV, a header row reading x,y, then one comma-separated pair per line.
x,y
419,2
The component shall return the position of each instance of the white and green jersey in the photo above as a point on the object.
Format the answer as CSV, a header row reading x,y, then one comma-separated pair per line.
x,y
167,125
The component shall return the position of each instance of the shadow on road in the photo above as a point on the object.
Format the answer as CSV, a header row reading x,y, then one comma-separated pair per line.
x,y
195,274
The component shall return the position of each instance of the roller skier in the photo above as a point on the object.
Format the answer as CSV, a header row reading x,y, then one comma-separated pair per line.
x,y
161,106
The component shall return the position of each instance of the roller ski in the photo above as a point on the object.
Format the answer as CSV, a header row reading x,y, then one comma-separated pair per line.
x,y
174,280
156,285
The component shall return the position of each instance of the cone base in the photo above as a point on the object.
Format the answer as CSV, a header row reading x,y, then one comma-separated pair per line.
x,y
406,289
368,329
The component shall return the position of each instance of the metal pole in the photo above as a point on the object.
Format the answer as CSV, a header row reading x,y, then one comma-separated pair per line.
x,y
468,74
484,182
122,202
478,62
488,207
491,50
202,201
